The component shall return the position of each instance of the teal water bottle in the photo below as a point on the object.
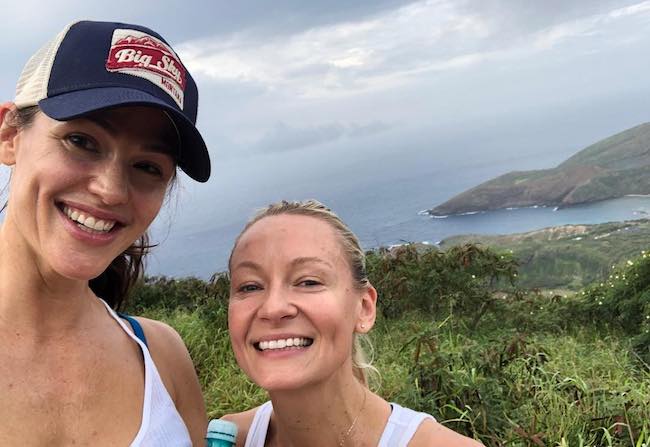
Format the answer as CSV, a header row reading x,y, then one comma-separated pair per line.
x,y
221,433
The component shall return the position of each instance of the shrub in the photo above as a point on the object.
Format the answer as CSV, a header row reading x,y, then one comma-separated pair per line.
x,y
459,281
622,301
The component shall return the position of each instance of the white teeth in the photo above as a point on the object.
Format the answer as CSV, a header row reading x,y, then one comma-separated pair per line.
x,y
283,343
89,222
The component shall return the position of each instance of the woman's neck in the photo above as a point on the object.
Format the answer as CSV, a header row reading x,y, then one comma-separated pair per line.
x,y
333,413
33,299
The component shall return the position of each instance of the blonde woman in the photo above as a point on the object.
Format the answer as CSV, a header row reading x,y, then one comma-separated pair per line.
x,y
299,299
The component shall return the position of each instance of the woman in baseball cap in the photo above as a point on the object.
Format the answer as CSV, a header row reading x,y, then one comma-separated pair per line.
x,y
103,115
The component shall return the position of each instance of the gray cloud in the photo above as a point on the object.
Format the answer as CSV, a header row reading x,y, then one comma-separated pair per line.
x,y
282,137
381,51
34,20
526,17
364,130
285,138
434,64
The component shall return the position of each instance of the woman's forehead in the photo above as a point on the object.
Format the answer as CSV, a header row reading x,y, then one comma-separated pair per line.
x,y
293,226
295,235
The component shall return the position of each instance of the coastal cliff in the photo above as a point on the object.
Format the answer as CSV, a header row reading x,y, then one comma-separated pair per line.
x,y
613,167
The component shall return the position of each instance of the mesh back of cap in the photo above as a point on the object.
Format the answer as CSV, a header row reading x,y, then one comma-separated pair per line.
x,y
33,81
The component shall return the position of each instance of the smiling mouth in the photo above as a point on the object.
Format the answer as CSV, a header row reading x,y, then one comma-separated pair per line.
x,y
88,222
283,343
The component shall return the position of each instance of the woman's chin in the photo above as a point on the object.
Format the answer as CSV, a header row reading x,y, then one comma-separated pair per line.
x,y
280,386
282,382
79,270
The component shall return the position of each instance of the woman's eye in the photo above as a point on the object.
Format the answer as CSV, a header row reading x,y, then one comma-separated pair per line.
x,y
309,283
246,288
149,168
82,142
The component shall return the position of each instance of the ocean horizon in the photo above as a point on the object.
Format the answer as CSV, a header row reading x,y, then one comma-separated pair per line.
x,y
384,204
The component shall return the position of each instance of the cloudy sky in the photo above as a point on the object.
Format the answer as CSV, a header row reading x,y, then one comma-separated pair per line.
x,y
286,75
359,84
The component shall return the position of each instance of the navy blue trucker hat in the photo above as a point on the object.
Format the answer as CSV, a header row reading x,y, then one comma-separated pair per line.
x,y
92,66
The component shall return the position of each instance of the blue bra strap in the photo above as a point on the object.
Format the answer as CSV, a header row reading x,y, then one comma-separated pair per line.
x,y
137,329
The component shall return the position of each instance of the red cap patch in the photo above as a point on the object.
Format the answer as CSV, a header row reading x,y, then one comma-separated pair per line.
x,y
139,54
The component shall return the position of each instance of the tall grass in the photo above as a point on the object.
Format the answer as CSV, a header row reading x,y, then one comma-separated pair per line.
x,y
502,365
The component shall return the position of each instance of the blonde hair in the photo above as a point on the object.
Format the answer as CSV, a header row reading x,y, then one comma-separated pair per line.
x,y
355,256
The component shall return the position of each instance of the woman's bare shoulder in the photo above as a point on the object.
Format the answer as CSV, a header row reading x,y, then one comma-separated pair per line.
x,y
434,434
243,421
167,349
177,372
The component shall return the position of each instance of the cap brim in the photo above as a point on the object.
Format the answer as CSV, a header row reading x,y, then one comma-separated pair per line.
x,y
193,159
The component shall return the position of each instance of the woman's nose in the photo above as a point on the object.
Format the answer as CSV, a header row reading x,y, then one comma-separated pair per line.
x,y
277,305
110,183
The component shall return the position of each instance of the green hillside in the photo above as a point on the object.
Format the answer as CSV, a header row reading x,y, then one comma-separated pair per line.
x,y
614,167
625,150
569,256
458,338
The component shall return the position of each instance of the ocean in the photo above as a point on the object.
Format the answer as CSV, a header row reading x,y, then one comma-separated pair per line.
x,y
380,194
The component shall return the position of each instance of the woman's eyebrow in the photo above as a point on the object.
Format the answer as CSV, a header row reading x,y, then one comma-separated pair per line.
x,y
247,264
309,260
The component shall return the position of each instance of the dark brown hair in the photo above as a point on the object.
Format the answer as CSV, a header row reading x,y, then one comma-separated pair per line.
x,y
113,284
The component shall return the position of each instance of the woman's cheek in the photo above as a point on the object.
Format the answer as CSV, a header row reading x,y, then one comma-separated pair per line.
x,y
235,323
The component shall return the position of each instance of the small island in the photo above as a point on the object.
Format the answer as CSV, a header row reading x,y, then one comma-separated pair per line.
x,y
611,168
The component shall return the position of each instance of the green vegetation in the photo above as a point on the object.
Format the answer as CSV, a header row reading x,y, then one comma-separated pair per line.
x,y
623,150
614,167
458,338
567,257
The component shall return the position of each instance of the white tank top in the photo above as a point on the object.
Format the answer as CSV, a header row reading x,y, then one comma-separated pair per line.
x,y
398,432
161,423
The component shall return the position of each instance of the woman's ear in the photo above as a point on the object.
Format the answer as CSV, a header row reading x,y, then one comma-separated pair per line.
x,y
8,134
366,319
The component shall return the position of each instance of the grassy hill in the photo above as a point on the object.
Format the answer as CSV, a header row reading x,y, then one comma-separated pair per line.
x,y
493,361
614,167
569,256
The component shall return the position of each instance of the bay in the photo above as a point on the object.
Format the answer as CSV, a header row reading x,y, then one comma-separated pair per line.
x,y
382,198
